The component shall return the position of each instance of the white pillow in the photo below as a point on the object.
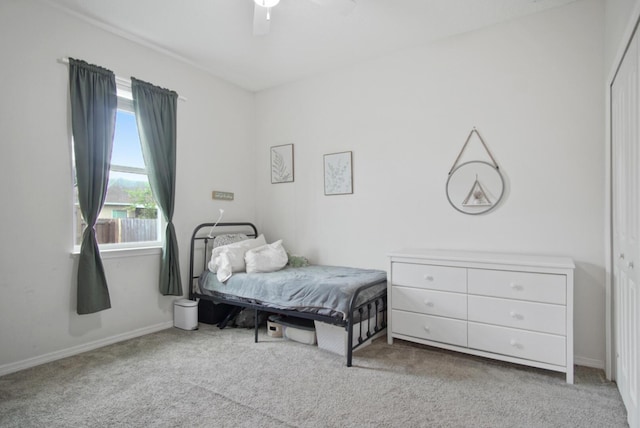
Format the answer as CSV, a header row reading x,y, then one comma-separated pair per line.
x,y
235,252
224,267
267,258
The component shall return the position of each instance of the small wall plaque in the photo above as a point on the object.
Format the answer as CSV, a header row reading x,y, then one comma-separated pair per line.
x,y
223,196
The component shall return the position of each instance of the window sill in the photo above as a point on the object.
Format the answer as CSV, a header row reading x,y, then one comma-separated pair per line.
x,y
112,253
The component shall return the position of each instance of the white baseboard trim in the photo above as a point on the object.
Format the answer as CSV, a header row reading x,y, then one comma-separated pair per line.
x,y
75,350
588,362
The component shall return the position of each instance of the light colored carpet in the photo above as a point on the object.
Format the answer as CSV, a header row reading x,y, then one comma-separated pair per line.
x,y
220,378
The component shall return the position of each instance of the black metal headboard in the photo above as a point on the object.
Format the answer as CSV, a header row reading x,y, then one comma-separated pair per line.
x,y
202,238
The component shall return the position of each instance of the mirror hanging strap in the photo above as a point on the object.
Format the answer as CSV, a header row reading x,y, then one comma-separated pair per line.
x,y
474,130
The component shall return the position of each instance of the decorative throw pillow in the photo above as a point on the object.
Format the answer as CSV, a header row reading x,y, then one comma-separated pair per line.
x,y
235,253
228,238
267,258
297,261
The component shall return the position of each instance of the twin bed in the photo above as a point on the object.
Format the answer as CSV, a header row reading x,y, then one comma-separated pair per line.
x,y
340,296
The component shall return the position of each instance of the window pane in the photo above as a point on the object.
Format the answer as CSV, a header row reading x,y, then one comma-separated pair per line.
x,y
126,143
130,193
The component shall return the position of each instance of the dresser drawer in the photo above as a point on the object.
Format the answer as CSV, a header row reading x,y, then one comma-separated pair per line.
x,y
536,287
430,302
427,327
545,348
541,317
429,276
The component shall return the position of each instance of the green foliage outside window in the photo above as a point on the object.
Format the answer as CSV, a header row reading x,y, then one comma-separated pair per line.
x,y
142,202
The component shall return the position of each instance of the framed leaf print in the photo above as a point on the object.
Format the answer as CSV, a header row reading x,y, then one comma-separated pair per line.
x,y
338,174
282,164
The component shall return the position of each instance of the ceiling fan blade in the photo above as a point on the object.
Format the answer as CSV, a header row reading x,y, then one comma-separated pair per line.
x,y
343,7
261,21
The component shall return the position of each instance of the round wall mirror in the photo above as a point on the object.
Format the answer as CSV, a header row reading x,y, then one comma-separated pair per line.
x,y
475,187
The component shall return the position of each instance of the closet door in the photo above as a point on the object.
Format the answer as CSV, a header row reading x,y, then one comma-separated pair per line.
x,y
625,137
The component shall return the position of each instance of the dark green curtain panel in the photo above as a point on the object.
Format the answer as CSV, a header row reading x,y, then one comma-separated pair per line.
x,y
156,117
93,119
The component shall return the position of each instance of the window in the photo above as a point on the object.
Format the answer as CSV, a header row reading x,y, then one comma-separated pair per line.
x,y
130,216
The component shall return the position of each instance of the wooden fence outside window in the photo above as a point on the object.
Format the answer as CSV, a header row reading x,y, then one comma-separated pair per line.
x,y
120,230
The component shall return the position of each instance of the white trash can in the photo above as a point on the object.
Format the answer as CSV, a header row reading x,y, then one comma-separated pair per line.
x,y
185,314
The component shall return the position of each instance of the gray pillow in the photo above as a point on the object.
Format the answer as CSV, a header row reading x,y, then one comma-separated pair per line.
x,y
228,238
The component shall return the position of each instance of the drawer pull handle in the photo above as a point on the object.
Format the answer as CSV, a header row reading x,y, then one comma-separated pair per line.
x,y
621,256
428,302
427,329
428,277
515,344
515,286
630,264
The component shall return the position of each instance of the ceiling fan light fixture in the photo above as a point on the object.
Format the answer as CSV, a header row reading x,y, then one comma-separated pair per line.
x,y
267,3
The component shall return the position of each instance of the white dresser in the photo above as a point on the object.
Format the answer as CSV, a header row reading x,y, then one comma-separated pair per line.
x,y
515,308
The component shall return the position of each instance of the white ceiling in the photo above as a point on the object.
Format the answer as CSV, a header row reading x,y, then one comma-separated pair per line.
x,y
305,38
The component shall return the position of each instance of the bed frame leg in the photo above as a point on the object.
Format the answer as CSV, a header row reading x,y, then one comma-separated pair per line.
x,y
349,341
256,326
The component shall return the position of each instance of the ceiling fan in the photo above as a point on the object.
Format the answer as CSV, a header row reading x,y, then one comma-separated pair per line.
x,y
262,12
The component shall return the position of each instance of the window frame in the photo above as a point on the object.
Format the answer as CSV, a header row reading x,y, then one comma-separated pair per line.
x,y
125,103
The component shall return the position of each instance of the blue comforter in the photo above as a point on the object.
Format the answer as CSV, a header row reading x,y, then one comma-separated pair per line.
x,y
325,290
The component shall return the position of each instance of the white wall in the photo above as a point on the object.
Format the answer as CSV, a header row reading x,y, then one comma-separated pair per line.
x,y
37,308
532,87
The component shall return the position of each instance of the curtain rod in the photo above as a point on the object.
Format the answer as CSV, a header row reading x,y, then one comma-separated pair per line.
x,y
123,80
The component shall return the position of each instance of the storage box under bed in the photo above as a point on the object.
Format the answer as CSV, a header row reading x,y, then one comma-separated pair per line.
x,y
334,338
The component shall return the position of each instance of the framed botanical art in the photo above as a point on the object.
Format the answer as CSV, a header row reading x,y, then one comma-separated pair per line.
x,y
282,164
338,174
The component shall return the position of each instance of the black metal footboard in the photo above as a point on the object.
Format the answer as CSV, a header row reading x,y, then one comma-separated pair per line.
x,y
363,312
